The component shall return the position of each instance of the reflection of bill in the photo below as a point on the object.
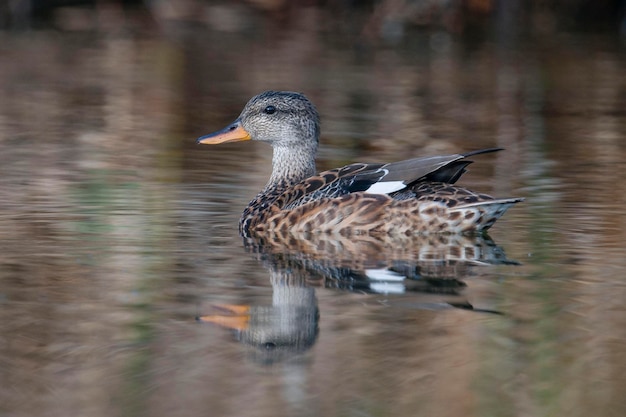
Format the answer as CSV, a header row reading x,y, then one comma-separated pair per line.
x,y
287,327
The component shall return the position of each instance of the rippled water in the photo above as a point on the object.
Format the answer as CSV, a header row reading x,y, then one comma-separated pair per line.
x,y
118,231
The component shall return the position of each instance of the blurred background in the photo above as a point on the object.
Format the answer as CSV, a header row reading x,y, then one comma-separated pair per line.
x,y
117,230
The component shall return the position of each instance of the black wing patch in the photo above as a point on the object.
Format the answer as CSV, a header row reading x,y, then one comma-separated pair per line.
x,y
337,182
449,173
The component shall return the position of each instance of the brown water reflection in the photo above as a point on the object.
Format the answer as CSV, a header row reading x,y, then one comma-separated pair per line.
x,y
117,231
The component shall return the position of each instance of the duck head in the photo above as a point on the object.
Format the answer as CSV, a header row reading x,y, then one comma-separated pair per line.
x,y
280,118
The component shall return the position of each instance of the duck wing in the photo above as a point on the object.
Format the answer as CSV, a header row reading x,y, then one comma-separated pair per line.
x,y
376,178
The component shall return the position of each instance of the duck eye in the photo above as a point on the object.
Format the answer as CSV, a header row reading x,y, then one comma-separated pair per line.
x,y
269,110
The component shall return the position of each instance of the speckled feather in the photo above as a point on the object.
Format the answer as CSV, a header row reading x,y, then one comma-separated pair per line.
x,y
458,211
420,197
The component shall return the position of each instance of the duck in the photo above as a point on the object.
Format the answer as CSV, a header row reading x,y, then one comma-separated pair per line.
x,y
416,196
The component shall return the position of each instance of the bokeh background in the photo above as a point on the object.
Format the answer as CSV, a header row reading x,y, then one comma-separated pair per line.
x,y
116,229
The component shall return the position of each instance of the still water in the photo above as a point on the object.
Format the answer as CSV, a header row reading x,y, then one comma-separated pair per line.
x,y
117,231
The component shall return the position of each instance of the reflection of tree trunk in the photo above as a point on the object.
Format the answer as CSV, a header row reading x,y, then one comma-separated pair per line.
x,y
511,114
84,216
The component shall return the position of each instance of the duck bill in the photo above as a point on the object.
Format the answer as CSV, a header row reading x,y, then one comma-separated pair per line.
x,y
231,133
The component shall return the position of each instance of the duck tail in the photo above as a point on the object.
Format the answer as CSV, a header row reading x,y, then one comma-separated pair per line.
x,y
482,215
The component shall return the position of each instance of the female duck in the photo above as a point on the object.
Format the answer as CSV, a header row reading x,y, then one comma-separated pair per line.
x,y
415,196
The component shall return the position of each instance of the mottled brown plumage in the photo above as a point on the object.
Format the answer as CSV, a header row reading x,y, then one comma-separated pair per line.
x,y
415,196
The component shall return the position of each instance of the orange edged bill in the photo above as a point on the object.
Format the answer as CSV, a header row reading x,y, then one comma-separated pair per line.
x,y
234,132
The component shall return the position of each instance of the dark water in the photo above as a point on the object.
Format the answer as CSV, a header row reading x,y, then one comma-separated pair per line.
x,y
117,230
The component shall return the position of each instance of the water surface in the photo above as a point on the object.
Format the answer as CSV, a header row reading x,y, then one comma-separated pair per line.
x,y
117,230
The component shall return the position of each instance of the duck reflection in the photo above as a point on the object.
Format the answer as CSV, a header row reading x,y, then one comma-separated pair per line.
x,y
435,267
287,327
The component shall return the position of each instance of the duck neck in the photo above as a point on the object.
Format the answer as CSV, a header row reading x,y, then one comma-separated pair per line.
x,y
290,166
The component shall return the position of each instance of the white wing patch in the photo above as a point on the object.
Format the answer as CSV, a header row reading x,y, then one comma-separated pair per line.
x,y
387,288
385,187
385,281
383,274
